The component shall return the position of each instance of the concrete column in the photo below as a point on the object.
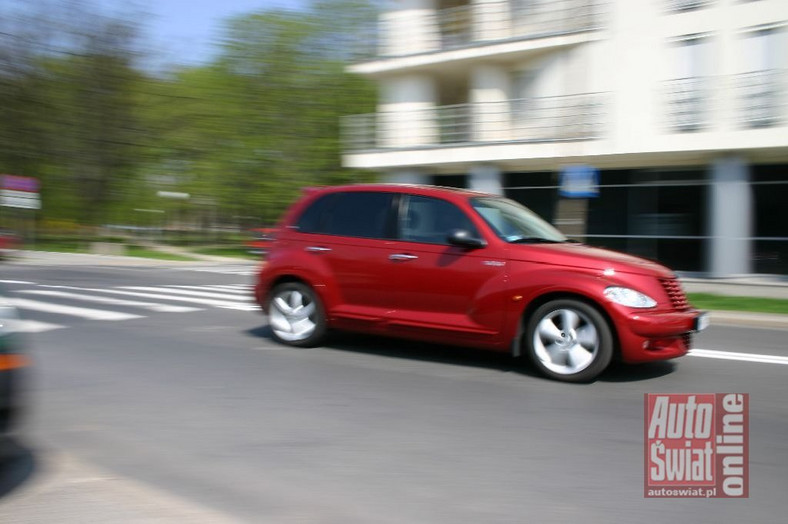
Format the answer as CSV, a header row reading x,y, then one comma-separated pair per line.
x,y
409,27
730,218
490,110
407,111
486,178
492,20
405,176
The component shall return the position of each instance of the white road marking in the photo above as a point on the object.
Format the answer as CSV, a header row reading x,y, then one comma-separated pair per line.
x,y
31,326
191,293
16,282
162,308
91,314
234,291
744,357
223,304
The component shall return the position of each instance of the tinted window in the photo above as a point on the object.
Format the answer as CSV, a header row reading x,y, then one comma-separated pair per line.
x,y
430,220
311,221
354,214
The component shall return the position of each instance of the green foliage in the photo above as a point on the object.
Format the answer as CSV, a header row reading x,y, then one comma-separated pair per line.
x,y
242,135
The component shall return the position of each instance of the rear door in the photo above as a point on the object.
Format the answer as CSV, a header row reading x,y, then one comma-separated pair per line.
x,y
349,232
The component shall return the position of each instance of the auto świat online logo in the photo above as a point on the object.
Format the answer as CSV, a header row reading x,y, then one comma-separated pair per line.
x,y
696,445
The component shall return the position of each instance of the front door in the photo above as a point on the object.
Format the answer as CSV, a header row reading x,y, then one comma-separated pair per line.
x,y
451,292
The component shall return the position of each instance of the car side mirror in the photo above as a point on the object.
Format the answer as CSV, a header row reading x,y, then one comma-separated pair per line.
x,y
464,238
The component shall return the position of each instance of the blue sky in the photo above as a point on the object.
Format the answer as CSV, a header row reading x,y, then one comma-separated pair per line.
x,y
183,31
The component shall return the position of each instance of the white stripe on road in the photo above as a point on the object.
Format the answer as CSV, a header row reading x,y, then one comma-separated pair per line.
x,y
15,282
223,304
161,308
92,314
191,293
744,357
233,291
31,326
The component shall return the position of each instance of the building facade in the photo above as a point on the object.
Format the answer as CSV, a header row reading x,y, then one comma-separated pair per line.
x,y
673,113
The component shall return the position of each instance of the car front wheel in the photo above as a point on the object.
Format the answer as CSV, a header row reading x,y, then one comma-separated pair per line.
x,y
568,340
296,315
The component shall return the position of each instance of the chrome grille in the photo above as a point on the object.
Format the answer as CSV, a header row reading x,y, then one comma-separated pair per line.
x,y
675,293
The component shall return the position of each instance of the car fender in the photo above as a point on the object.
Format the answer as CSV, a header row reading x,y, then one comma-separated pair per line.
x,y
529,285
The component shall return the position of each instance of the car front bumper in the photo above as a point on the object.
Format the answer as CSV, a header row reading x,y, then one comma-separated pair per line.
x,y
647,336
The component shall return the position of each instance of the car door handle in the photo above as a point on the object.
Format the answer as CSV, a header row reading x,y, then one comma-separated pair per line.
x,y
317,249
398,257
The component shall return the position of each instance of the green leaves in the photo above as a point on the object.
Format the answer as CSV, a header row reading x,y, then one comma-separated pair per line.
x,y
242,134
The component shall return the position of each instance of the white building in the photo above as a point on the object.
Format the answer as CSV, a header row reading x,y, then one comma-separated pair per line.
x,y
678,106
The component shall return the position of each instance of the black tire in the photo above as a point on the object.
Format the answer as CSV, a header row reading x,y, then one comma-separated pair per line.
x,y
296,315
568,340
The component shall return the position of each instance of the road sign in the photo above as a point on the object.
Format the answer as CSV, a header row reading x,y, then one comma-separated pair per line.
x,y
19,199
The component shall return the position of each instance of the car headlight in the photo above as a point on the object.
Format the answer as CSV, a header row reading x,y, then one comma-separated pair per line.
x,y
629,297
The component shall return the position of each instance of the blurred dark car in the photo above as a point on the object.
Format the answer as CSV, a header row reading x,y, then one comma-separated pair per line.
x,y
13,363
8,242
262,238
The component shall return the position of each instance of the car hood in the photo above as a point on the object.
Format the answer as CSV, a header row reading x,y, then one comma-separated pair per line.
x,y
587,257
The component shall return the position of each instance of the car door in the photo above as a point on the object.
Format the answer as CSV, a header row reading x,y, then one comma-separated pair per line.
x,y
348,234
452,292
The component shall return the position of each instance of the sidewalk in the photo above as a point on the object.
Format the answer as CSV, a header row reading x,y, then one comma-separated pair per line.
x,y
66,490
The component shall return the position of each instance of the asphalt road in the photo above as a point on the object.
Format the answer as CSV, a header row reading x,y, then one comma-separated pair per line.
x,y
195,415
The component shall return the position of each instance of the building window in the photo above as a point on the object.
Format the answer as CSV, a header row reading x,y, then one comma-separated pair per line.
x,y
759,84
686,92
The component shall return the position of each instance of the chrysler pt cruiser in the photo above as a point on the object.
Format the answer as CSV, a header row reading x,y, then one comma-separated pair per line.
x,y
466,268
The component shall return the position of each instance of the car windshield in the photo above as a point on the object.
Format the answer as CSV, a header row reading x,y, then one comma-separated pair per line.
x,y
515,223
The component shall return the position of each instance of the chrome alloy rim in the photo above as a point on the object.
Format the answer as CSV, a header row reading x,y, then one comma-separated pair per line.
x,y
292,316
566,341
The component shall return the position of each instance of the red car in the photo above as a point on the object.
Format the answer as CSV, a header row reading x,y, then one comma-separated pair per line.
x,y
466,268
262,239
8,242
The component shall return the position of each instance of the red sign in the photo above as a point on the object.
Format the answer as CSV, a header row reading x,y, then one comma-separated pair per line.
x,y
19,183
696,445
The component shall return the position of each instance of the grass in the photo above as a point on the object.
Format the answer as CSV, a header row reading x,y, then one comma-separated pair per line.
x,y
728,303
226,251
142,252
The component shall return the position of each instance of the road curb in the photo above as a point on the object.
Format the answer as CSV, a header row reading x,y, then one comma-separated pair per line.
x,y
748,319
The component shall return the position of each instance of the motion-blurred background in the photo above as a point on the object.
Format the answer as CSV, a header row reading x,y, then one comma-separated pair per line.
x,y
657,127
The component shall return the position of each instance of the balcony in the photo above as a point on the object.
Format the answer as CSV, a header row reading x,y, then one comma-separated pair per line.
x,y
408,33
760,99
549,119
685,5
685,101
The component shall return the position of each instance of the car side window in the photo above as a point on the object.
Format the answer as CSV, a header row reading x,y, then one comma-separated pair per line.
x,y
430,220
352,214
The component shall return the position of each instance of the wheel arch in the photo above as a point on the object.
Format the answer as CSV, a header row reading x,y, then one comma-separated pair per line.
x,y
539,301
285,279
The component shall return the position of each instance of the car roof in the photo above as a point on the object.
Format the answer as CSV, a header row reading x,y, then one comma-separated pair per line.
x,y
414,189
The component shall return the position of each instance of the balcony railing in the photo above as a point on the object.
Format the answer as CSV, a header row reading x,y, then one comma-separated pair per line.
x,y
760,98
685,5
402,34
573,117
686,104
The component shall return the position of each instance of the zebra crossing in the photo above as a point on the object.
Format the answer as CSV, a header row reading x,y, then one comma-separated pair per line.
x,y
49,307
232,269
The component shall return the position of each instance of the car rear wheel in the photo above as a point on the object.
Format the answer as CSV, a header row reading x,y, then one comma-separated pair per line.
x,y
568,340
296,315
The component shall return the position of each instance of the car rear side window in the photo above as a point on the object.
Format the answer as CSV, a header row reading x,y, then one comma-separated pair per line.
x,y
352,214
430,220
